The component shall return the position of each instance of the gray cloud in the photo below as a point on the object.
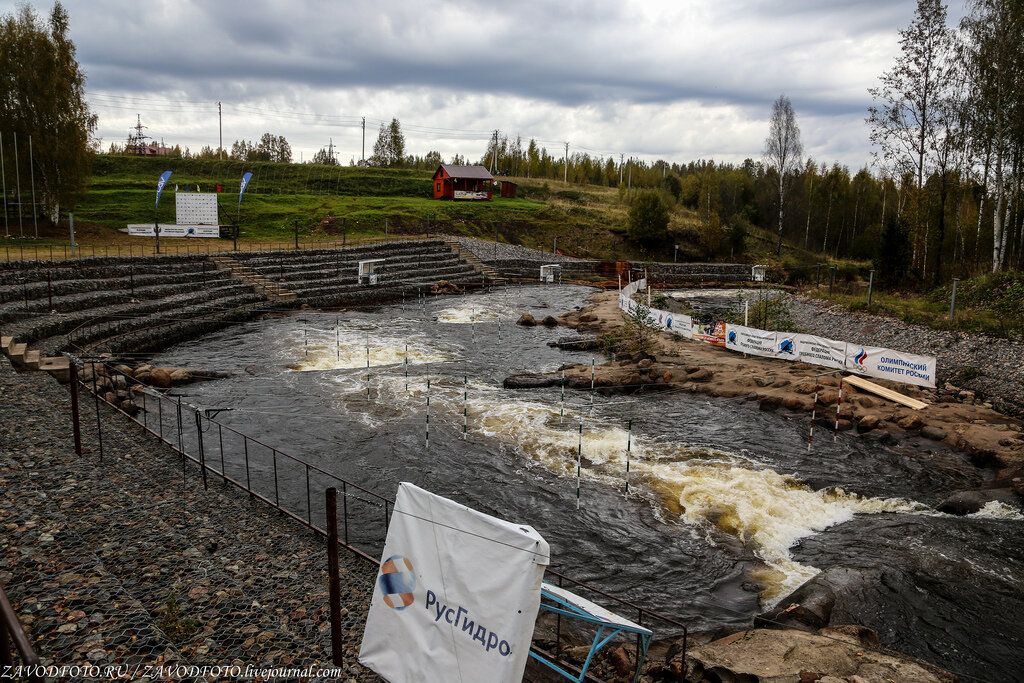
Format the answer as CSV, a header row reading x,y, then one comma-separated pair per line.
x,y
633,76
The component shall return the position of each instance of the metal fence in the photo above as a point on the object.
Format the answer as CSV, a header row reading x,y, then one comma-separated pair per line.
x,y
173,246
285,482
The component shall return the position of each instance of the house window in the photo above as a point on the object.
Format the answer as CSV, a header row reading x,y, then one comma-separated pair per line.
x,y
439,187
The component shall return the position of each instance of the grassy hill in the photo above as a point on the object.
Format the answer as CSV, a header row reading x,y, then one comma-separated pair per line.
x,y
323,201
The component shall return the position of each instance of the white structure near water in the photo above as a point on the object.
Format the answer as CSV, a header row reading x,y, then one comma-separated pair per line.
x,y
195,216
551,273
370,270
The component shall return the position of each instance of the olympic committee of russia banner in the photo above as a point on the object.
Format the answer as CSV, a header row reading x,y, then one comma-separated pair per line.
x,y
889,364
456,596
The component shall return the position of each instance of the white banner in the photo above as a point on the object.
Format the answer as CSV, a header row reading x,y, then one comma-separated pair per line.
x,y
146,230
751,340
457,594
469,194
820,351
889,364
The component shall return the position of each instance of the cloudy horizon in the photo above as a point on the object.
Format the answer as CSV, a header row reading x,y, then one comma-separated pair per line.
x,y
669,80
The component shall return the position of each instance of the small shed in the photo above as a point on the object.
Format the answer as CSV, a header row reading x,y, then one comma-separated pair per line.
x,y
757,273
550,273
508,189
462,182
370,270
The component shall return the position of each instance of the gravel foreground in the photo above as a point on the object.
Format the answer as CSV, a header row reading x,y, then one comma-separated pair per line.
x,y
991,367
119,564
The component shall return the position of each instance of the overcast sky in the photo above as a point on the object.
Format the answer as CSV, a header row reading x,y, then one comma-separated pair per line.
x,y
679,80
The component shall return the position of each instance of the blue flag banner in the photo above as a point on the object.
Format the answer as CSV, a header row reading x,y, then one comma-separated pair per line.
x,y
160,186
245,184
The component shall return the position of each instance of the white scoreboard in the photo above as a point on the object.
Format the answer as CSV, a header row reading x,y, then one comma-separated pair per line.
x,y
196,208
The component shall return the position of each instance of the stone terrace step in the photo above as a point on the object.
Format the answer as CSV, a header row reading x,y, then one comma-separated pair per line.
x,y
12,295
40,327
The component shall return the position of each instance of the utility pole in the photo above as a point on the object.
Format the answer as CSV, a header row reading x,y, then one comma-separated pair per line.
x,y
32,182
566,162
3,172
220,131
621,157
330,149
363,157
17,173
494,153
630,173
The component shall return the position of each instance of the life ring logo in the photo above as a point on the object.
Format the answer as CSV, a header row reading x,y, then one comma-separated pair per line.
x,y
397,582
859,358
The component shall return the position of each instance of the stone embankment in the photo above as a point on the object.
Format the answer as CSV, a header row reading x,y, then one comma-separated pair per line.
x,y
987,369
120,562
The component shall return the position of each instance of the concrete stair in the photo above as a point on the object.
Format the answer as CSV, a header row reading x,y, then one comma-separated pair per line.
x,y
24,358
470,258
272,290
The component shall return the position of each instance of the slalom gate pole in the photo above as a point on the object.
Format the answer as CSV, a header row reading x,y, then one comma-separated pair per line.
x,y
367,365
472,323
428,416
579,464
561,413
407,368
465,405
337,339
305,341
591,385
629,443
839,405
814,410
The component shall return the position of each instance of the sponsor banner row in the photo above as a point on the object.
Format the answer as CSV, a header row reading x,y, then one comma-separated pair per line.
x,y
146,230
862,360
870,361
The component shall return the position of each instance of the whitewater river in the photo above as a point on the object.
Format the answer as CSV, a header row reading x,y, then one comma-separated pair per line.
x,y
726,512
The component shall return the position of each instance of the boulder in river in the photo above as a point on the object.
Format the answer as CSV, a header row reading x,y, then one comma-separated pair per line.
x,y
968,502
532,381
549,321
526,320
160,378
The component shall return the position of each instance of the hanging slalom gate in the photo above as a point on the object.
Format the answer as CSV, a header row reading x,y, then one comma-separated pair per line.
x,y
211,452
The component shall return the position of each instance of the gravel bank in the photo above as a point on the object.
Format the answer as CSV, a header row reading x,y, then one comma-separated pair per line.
x,y
993,368
121,563
499,251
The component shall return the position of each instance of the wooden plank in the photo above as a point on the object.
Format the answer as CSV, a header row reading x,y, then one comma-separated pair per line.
x,y
878,390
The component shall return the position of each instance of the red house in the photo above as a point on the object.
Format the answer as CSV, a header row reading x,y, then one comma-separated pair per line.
x,y
462,182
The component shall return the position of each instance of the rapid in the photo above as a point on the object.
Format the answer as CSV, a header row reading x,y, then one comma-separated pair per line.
x,y
726,510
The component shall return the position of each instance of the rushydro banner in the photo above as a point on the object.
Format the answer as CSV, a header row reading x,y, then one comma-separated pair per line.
x,y
838,355
456,596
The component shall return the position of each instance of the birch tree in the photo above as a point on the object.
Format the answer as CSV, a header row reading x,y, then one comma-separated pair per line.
x,y
907,123
782,152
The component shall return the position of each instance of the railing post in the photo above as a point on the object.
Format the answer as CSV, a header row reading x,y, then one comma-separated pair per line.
x,y
333,578
220,439
277,494
202,452
96,401
344,504
180,449
309,500
75,423
952,300
245,447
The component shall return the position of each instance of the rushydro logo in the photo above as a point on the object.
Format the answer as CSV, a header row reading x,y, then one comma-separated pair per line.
x,y
397,582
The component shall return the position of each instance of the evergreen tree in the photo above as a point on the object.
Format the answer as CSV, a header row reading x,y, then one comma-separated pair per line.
x,y
893,256
647,220
42,95
389,150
